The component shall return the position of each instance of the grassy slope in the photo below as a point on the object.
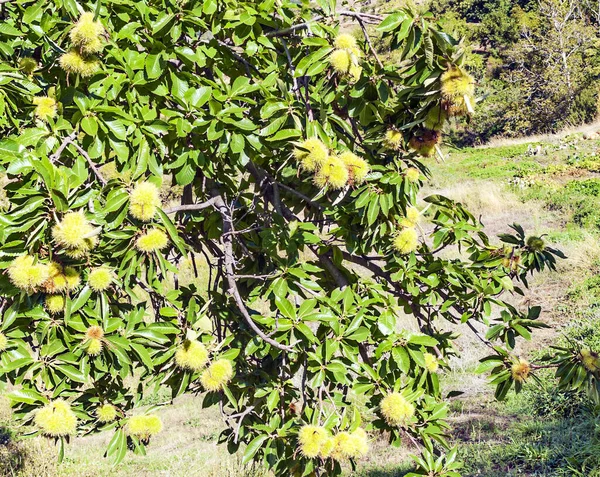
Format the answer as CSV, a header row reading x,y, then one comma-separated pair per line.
x,y
553,192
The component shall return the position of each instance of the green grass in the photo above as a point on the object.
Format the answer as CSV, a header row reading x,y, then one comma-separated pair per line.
x,y
577,200
496,163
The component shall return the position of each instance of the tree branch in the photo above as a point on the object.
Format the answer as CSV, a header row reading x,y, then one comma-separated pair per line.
x,y
70,139
90,162
226,239
365,17
190,207
369,16
368,40
292,29
66,141
305,198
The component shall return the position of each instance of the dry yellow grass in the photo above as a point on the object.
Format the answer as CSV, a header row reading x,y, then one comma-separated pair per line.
x,y
586,129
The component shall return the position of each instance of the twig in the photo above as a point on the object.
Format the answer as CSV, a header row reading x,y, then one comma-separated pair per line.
x,y
368,39
70,140
190,207
305,198
296,86
90,163
292,29
241,415
303,383
362,16
307,99
544,366
66,141
292,69
238,57
365,17
481,338
258,277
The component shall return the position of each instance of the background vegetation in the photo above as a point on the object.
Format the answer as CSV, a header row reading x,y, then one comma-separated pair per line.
x,y
536,62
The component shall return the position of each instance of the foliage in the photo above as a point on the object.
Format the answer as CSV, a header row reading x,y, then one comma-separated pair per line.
x,y
309,305
544,399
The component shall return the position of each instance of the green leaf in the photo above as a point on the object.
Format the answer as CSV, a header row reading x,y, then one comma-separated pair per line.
x,y
391,22
373,211
285,306
71,372
28,396
9,30
117,128
32,13
143,354
172,231
117,447
387,323
161,22
402,358
142,159
154,66
253,448
421,339
81,299
313,57
89,125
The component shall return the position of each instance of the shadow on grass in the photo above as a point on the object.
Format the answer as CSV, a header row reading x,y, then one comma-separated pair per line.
x,y
11,454
558,448
567,447
25,457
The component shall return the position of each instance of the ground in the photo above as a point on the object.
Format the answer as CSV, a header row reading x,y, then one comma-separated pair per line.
x,y
552,188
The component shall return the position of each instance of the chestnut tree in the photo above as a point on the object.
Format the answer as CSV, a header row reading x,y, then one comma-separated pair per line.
x,y
277,158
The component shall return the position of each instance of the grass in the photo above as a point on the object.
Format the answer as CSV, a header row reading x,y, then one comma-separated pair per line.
x,y
553,189
534,448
